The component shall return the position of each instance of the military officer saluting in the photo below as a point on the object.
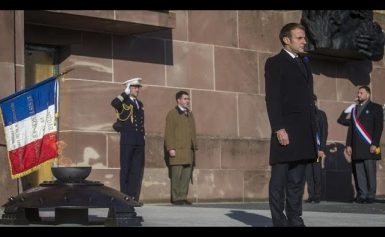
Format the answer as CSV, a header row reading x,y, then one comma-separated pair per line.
x,y
130,125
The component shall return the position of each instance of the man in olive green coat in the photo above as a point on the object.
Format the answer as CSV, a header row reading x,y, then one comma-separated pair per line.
x,y
180,145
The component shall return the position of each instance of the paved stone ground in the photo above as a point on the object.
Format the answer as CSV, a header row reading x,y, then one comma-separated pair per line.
x,y
331,214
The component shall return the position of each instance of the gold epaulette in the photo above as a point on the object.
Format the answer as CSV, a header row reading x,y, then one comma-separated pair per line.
x,y
120,98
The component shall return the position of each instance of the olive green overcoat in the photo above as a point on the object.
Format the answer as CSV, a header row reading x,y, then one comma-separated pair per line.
x,y
180,135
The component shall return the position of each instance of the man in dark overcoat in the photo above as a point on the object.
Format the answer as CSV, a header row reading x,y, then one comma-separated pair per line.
x,y
314,170
290,107
363,144
130,113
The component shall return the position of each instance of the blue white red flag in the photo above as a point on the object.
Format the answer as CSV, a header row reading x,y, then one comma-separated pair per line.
x,y
30,126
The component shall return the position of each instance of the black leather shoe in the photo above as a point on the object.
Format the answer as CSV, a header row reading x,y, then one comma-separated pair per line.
x,y
309,200
296,223
137,201
370,200
185,202
360,200
317,200
132,199
178,202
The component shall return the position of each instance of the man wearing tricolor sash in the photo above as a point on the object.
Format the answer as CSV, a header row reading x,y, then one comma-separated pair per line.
x,y
363,144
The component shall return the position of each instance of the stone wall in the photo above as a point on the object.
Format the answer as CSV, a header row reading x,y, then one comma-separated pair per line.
x,y
217,56
11,78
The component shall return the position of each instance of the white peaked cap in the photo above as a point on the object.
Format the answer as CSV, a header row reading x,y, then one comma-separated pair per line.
x,y
133,82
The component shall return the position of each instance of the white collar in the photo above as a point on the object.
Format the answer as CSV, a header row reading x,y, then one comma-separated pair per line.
x,y
181,108
290,53
364,103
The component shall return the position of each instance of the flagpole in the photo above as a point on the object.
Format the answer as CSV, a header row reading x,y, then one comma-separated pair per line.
x,y
65,72
57,89
58,104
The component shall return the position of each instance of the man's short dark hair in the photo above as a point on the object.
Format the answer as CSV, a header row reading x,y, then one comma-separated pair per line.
x,y
314,97
286,30
365,87
179,94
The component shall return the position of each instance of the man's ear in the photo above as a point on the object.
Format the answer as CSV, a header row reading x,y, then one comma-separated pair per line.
x,y
286,40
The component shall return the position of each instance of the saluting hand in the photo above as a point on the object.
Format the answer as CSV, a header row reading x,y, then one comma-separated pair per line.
x,y
350,108
127,90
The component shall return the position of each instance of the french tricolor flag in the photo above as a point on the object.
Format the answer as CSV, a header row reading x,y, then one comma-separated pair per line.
x,y
30,126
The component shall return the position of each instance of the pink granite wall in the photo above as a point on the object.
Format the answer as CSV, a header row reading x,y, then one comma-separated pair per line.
x,y
11,77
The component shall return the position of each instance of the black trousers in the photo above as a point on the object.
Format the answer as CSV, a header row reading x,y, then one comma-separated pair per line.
x,y
131,169
313,180
286,186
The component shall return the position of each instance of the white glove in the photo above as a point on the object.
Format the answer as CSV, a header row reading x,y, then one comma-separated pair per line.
x,y
127,90
350,108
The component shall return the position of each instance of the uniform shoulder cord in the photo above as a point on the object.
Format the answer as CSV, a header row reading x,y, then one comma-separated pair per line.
x,y
130,110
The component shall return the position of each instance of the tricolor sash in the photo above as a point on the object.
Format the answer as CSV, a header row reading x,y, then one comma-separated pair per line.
x,y
360,128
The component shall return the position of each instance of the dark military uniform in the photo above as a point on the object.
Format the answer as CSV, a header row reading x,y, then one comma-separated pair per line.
x,y
131,144
314,169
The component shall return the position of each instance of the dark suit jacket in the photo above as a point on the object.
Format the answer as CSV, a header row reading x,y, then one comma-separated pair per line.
x,y
133,131
290,105
372,119
322,128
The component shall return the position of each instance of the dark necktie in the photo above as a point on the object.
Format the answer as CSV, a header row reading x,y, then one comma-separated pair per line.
x,y
301,65
185,112
136,102
360,108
